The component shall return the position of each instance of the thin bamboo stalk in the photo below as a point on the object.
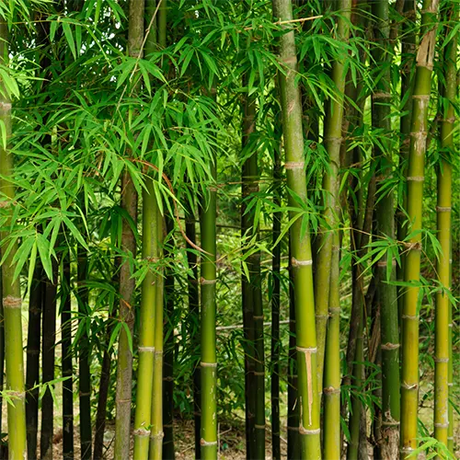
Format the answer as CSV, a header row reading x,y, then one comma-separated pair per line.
x,y
306,346
67,367
168,362
125,357
275,304
208,362
415,177
193,305
332,144
156,432
33,361
129,200
12,301
84,381
331,417
150,253
388,438
2,351
444,226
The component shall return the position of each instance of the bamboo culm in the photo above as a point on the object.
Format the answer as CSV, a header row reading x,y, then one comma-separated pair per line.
x,y
301,256
415,178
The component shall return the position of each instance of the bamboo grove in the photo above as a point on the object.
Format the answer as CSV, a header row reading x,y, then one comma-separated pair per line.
x,y
238,217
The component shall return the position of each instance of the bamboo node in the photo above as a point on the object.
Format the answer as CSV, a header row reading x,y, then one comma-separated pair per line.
x,y
333,139
293,428
203,364
6,106
441,360
441,425
205,443
141,432
406,450
331,390
450,384
321,316
381,95
334,311
5,204
258,317
259,427
12,302
32,352
408,386
300,263
158,435
147,349
168,379
415,178
390,346
304,431
260,374
306,349
390,423
410,317
443,208
421,97
205,281
294,165
384,263
83,394
17,394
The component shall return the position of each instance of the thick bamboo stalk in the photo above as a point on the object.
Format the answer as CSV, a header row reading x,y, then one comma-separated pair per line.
x,y
275,303
125,358
332,144
48,362
388,438
33,360
150,254
129,200
444,227
301,260
67,367
208,362
11,289
168,361
84,381
331,392
415,178
193,305
156,432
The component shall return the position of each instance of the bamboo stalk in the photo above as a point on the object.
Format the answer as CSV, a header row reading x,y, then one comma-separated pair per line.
x,y
84,381
11,299
388,438
168,362
415,177
193,305
129,204
208,326
2,353
67,367
33,361
150,253
331,417
444,226
275,303
332,144
48,363
306,346
156,422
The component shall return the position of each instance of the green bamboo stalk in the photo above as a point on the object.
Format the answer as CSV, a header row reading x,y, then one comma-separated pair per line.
x,y
293,449
275,301
332,144
67,367
150,253
11,300
331,417
415,177
208,326
168,361
2,352
156,432
193,305
444,209
129,200
301,260
48,363
450,380
388,438
33,360
125,358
